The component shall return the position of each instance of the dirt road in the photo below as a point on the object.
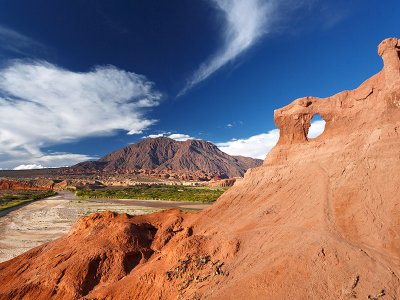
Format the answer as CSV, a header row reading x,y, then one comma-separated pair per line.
x,y
42,221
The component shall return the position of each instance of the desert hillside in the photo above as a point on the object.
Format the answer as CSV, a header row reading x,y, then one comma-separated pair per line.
x,y
318,220
165,157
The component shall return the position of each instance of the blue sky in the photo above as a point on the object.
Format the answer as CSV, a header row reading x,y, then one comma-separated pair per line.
x,y
81,78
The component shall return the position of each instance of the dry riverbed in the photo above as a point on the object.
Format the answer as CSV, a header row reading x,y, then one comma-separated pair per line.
x,y
42,221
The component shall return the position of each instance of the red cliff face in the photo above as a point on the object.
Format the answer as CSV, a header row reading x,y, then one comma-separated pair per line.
x,y
318,220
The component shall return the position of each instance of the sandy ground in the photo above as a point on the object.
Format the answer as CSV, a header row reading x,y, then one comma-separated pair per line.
x,y
42,221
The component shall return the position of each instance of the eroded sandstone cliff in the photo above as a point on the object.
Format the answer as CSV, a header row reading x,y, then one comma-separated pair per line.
x,y
319,220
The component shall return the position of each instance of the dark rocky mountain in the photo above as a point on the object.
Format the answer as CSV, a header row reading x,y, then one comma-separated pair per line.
x,y
165,157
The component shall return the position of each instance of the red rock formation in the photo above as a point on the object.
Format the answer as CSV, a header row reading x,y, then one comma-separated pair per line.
x,y
319,220
6,184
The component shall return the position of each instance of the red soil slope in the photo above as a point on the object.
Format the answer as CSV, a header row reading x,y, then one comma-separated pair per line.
x,y
319,220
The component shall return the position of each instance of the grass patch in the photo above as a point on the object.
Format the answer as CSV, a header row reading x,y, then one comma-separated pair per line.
x,y
157,192
10,198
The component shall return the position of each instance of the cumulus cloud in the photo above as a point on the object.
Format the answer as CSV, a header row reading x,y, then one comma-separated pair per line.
x,y
180,137
154,136
256,146
259,145
175,136
316,128
245,22
42,104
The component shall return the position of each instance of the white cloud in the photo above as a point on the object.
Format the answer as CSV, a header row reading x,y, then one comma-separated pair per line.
x,y
42,104
259,145
175,136
154,136
180,137
316,129
28,167
256,146
245,22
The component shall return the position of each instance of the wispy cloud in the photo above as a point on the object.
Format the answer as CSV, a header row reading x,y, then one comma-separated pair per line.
x,y
42,104
258,146
15,42
245,22
234,124
25,161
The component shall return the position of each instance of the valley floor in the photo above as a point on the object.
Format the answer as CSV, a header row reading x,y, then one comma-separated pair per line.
x,y
34,224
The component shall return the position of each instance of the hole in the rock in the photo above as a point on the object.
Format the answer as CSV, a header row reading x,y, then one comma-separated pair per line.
x,y
317,127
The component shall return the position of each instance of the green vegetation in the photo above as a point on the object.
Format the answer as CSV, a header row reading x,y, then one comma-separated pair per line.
x,y
157,192
11,198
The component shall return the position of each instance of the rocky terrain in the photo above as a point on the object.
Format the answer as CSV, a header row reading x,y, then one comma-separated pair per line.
x,y
166,158
318,220
73,182
42,221
36,184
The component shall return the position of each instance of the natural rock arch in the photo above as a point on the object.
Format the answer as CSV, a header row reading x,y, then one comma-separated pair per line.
x,y
317,127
